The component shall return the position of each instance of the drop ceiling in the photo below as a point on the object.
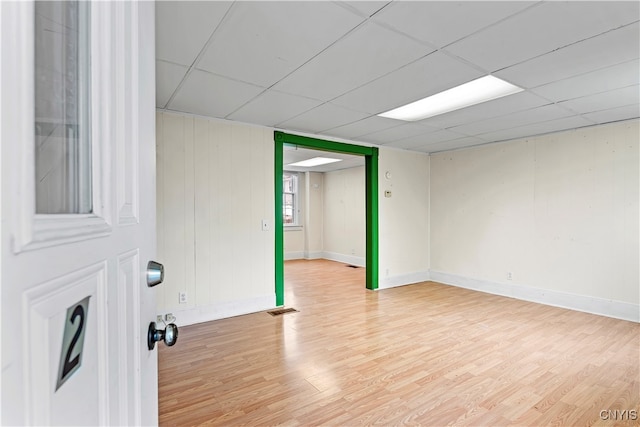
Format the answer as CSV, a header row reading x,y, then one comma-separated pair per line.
x,y
293,154
328,68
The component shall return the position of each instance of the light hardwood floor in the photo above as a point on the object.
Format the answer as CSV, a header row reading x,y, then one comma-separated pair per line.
x,y
425,354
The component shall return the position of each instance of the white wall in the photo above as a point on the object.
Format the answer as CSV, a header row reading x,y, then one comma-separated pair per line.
x,y
215,185
314,207
306,242
559,212
403,217
344,216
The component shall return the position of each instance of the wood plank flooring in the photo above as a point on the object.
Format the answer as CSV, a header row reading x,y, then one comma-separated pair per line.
x,y
425,354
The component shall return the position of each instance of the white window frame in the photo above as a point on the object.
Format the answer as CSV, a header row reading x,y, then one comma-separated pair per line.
x,y
296,201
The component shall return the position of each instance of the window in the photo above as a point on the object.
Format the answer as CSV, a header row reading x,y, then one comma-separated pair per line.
x,y
290,198
62,99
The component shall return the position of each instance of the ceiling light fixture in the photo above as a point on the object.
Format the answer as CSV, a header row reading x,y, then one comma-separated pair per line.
x,y
316,161
471,93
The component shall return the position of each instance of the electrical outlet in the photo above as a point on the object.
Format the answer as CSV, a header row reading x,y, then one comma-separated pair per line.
x,y
159,318
169,318
509,275
182,297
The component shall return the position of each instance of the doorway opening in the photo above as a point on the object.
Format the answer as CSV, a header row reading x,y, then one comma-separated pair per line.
x,y
371,202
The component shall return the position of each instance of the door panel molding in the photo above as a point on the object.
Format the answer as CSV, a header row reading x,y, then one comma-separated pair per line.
x,y
43,323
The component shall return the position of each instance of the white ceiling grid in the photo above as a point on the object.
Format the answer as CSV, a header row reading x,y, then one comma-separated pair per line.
x,y
329,68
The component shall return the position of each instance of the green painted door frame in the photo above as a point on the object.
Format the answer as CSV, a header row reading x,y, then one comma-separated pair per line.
x,y
371,188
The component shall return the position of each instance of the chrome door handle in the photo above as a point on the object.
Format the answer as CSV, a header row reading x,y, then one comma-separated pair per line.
x,y
155,273
168,335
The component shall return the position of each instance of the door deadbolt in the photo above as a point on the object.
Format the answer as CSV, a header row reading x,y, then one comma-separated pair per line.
x,y
155,273
168,335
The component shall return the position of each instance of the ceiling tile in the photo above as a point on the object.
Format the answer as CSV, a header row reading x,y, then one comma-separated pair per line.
x,y
168,77
396,133
201,18
604,101
298,154
367,8
426,139
324,117
610,78
443,22
210,95
615,114
429,75
541,29
534,115
273,107
468,141
614,47
565,123
271,39
362,127
487,110
363,55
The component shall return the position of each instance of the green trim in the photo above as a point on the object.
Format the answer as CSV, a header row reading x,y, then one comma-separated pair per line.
x,y
371,185
279,227
371,167
321,144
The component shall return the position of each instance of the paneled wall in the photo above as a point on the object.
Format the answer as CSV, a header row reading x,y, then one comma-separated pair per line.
x,y
314,207
403,217
552,219
344,219
215,186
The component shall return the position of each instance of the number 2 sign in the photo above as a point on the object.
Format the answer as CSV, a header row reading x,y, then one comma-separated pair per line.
x,y
72,340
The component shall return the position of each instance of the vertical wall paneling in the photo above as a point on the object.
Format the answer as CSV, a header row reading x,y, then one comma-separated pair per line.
x,y
175,224
214,197
187,284
202,210
552,218
344,216
241,203
160,200
314,207
404,217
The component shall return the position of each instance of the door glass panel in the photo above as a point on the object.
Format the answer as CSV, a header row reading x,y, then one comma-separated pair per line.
x,y
62,107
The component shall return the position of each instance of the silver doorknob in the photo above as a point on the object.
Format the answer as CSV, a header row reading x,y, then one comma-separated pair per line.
x,y
168,335
155,273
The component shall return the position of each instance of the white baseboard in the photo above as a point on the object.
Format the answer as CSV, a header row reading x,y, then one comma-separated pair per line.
x,y
404,279
347,259
588,304
222,310
288,256
313,255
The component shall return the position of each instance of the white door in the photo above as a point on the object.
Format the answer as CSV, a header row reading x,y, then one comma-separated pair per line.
x,y
78,213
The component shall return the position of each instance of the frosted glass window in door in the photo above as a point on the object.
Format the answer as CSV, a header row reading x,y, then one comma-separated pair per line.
x,y
62,107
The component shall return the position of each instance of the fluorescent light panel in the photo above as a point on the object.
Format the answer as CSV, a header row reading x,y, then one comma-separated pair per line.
x,y
316,161
468,94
